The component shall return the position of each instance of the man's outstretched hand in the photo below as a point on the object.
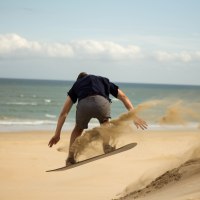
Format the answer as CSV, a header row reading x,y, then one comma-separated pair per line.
x,y
140,123
54,140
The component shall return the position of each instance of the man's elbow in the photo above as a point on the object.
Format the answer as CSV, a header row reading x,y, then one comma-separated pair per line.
x,y
122,97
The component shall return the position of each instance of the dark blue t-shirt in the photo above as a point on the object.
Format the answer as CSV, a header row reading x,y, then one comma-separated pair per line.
x,y
92,85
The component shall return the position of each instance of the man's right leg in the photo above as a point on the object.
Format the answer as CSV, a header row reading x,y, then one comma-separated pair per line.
x,y
107,148
75,133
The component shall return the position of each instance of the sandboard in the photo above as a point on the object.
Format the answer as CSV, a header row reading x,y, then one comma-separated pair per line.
x,y
119,150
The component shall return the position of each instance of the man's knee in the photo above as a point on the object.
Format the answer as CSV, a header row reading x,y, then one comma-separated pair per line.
x,y
78,129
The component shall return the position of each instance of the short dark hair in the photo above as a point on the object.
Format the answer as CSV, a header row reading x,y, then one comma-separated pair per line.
x,y
81,75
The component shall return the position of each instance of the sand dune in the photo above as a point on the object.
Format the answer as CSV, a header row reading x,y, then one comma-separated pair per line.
x,y
179,180
25,157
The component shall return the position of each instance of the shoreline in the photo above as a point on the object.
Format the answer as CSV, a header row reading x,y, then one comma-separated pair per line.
x,y
68,127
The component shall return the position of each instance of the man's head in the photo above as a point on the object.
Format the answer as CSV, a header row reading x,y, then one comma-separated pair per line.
x,y
81,75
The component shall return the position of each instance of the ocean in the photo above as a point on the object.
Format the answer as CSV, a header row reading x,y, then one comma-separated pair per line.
x,y
36,104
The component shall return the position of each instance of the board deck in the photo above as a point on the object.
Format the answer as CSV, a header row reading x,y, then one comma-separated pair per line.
x,y
119,150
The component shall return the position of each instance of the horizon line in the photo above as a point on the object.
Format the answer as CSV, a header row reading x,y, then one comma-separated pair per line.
x,y
120,82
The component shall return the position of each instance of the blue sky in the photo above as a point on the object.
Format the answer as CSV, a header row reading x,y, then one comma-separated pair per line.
x,y
143,41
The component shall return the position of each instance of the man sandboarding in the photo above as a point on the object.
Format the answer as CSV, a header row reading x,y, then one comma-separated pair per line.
x,y
118,150
92,93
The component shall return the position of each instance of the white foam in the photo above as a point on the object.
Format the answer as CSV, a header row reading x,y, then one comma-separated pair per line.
x,y
47,100
50,116
188,126
22,103
26,122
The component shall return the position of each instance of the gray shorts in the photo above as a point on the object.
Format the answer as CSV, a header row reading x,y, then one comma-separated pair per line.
x,y
92,107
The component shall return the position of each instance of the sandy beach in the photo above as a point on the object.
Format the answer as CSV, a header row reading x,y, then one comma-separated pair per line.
x,y
137,173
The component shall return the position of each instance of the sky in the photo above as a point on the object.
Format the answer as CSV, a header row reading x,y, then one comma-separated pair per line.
x,y
139,41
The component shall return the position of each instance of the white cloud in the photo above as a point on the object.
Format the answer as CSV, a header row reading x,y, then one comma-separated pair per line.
x,y
182,56
197,55
56,50
164,56
12,45
105,49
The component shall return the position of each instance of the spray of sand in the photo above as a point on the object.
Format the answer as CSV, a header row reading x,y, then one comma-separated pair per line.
x,y
178,113
90,143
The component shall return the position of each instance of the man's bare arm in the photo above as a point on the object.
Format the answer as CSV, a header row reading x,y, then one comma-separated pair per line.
x,y
140,123
66,109
127,103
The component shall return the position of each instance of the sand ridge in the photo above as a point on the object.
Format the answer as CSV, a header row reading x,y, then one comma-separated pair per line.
x,y
186,170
